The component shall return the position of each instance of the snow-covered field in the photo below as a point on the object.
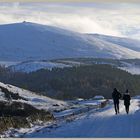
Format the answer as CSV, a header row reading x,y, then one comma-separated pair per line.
x,y
82,119
8,63
31,66
36,65
131,69
102,123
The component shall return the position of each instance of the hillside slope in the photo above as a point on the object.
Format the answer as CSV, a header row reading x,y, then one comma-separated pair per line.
x,y
30,41
125,42
39,102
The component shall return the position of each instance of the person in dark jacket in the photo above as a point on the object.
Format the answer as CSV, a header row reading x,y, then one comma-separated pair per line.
x,y
116,96
126,98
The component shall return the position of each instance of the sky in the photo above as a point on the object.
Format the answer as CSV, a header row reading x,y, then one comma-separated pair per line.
x,y
117,19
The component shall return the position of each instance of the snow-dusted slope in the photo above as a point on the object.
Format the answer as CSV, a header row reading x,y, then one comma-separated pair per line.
x,y
29,41
31,66
125,42
130,65
100,124
38,101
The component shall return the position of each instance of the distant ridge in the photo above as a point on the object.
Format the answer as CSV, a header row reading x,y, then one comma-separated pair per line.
x,y
30,41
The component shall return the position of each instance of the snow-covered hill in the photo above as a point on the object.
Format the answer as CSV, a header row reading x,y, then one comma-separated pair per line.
x,y
125,42
30,41
30,66
130,65
38,101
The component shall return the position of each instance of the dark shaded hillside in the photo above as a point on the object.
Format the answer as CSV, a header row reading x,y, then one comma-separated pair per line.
x,y
17,112
70,83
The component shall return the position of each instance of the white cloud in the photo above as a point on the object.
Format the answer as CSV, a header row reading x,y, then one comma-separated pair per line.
x,y
104,18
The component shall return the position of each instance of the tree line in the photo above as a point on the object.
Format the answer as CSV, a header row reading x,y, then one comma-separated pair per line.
x,y
74,82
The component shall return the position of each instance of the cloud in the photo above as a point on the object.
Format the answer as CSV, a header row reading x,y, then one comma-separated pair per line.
x,y
118,19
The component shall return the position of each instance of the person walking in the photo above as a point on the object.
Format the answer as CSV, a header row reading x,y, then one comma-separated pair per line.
x,y
116,96
126,98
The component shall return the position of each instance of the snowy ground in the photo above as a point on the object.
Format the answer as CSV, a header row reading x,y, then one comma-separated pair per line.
x,y
62,110
132,69
8,63
87,121
102,123
36,65
38,101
